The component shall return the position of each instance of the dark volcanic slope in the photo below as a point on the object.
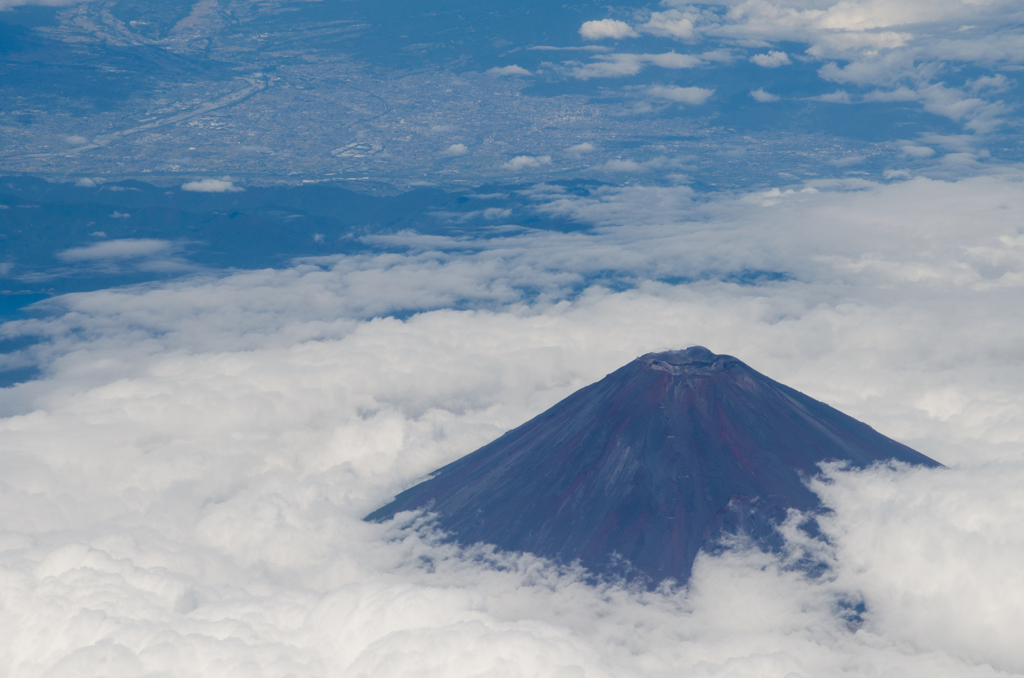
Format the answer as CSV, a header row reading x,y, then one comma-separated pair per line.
x,y
649,463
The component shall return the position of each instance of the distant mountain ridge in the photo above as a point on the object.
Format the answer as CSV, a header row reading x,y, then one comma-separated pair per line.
x,y
649,465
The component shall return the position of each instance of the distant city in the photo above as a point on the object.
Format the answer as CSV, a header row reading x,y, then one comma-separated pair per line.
x,y
267,93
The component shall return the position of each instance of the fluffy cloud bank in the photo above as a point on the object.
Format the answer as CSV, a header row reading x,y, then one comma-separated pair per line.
x,y
182,490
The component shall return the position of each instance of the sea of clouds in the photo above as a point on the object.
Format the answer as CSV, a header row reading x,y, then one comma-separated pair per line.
x,y
182,489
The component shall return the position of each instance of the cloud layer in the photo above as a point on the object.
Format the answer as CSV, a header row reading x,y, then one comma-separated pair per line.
x,y
182,490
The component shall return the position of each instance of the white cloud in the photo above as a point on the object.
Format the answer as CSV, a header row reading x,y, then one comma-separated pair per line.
x,y
75,140
619,65
870,14
580,149
997,45
670,24
455,150
931,580
894,45
916,150
10,4
610,66
182,490
606,28
580,48
881,70
634,167
521,162
837,97
800,20
764,97
508,70
492,213
976,113
964,143
673,60
968,107
847,161
997,83
772,59
684,95
117,249
899,94
85,182
211,186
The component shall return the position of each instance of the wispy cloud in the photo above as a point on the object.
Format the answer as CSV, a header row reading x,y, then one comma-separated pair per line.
x,y
762,96
508,70
619,65
211,186
116,249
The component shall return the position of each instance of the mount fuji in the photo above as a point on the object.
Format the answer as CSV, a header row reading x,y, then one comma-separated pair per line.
x,y
641,470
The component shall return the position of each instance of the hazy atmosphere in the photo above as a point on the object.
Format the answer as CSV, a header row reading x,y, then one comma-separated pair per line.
x,y
266,265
